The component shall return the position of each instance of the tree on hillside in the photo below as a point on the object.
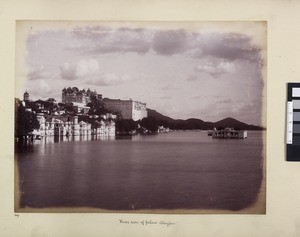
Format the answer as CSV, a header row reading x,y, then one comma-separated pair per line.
x,y
96,106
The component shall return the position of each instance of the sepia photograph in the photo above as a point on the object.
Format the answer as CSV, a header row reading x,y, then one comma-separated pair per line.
x,y
140,117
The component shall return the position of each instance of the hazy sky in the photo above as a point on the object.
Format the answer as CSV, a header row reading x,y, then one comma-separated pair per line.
x,y
201,70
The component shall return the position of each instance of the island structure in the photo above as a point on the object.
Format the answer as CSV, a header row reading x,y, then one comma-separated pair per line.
x,y
80,113
228,133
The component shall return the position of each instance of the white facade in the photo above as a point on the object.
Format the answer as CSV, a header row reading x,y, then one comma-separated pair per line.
x,y
58,125
106,128
81,107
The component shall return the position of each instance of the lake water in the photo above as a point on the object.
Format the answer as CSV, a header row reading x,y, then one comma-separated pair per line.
x,y
176,170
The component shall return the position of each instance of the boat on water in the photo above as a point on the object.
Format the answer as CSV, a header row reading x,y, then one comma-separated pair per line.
x,y
229,133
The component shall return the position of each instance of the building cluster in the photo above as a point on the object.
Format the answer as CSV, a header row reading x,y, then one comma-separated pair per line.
x,y
63,118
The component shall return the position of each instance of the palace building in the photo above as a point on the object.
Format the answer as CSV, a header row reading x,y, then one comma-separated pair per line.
x,y
128,109
74,95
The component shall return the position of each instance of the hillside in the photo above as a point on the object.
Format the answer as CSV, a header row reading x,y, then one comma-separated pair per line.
x,y
159,116
194,123
231,122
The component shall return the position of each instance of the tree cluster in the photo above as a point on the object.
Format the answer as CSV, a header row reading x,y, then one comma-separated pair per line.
x,y
25,121
96,106
126,126
150,124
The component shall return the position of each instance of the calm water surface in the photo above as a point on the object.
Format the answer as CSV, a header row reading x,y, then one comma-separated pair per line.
x,y
167,171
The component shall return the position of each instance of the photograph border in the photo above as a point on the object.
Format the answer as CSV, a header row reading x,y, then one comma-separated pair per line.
x,y
282,210
23,32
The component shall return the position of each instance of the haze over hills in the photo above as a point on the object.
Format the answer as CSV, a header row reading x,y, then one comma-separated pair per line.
x,y
194,123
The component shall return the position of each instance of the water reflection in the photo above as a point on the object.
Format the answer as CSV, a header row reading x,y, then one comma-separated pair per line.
x,y
27,146
125,137
24,146
185,170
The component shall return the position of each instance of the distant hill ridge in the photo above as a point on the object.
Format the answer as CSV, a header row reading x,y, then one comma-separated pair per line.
x,y
194,123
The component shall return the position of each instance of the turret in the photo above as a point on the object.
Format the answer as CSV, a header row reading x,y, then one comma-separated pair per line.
x,y
26,96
